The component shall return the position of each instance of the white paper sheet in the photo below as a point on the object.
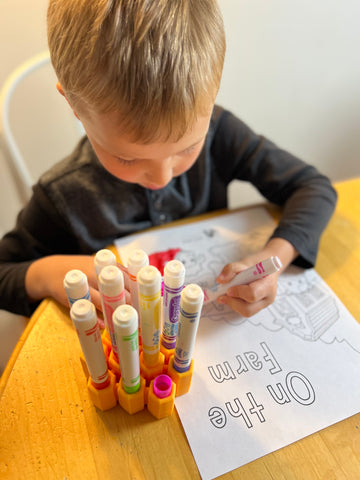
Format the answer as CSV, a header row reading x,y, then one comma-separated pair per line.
x,y
262,383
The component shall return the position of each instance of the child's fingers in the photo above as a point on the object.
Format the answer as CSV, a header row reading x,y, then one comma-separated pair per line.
x,y
250,299
95,298
255,291
245,309
229,272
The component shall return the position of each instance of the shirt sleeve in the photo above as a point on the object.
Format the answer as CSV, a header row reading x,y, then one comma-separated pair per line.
x,y
39,231
307,197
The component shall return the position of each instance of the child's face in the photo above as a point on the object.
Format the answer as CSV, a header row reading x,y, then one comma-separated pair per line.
x,y
151,166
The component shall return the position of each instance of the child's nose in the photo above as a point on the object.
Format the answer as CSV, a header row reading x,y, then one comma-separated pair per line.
x,y
161,173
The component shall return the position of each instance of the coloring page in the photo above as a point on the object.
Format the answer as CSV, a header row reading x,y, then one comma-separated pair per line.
x,y
264,382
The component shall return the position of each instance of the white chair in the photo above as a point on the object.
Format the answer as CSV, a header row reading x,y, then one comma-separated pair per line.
x,y
42,117
37,128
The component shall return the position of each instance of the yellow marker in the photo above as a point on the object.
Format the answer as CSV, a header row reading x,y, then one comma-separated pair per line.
x,y
149,289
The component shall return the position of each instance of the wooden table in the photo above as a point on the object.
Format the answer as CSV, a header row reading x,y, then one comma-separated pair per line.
x,y
49,429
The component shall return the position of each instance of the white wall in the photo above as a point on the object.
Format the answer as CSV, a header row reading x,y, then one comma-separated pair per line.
x,y
292,73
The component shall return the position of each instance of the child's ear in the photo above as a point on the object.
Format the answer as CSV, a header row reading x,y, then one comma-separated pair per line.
x,y
61,91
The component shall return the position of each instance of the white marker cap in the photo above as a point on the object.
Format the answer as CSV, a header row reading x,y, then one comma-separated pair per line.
x,y
111,281
83,311
192,298
103,258
137,259
149,280
174,274
76,284
125,317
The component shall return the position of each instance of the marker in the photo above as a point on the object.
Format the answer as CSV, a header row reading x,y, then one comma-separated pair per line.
x,y
192,298
103,258
125,320
174,276
137,259
83,315
149,289
76,286
256,272
112,293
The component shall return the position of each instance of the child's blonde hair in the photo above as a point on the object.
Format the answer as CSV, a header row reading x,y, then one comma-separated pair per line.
x,y
156,63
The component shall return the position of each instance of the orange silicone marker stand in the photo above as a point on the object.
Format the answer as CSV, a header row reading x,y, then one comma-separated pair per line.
x,y
104,396
150,372
167,352
161,396
132,402
181,379
114,365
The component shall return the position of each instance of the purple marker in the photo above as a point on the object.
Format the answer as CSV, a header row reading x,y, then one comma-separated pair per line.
x,y
174,276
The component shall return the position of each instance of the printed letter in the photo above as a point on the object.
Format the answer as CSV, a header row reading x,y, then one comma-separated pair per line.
x,y
242,365
256,409
223,372
269,357
253,360
239,411
281,397
301,390
217,417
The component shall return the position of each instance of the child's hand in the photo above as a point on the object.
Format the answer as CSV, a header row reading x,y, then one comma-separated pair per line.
x,y
247,299
250,299
45,277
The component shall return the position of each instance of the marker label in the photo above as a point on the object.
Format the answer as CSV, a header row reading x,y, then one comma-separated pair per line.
x,y
174,276
190,311
149,289
83,315
125,320
112,294
256,272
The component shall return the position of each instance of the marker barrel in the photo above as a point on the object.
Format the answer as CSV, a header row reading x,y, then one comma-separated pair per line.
x,y
83,315
256,272
76,286
149,289
112,293
192,298
125,320
174,276
102,259
137,259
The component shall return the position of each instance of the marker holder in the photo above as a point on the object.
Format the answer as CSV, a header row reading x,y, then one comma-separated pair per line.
x,y
105,397
132,402
167,352
181,379
114,365
149,373
105,338
161,396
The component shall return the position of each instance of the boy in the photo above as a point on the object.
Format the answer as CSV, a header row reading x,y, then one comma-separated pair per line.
x,y
142,76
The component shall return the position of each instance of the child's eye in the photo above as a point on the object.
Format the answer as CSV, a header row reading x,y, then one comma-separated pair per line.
x,y
189,150
125,162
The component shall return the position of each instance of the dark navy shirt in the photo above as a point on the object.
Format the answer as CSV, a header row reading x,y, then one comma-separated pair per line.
x,y
78,207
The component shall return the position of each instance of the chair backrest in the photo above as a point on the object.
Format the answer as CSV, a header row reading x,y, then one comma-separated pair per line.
x,y
37,128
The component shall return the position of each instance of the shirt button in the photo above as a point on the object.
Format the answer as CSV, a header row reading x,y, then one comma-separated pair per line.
x,y
162,217
158,204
